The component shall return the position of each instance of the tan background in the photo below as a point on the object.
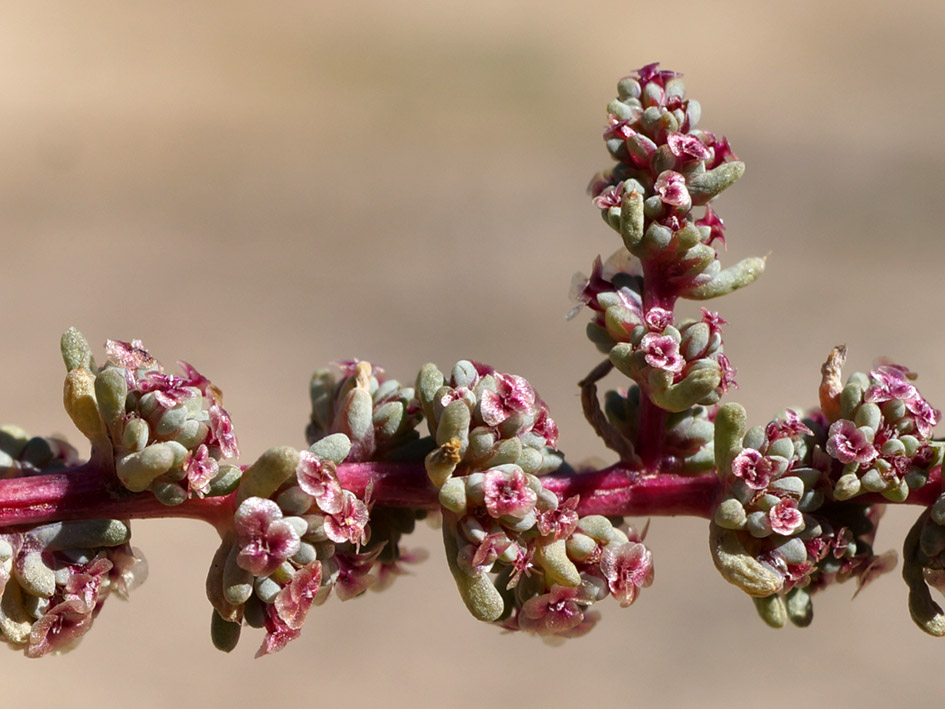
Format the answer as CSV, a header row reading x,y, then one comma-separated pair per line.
x,y
260,188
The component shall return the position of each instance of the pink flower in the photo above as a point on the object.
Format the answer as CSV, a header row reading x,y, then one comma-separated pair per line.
x,y
658,318
553,613
481,556
889,382
194,378
785,517
652,72
318,478
265,539
350,522
713,320
59,627
561,522
671,187
354,575
788,427
728,373
715,224
924,416
130,355
169,390
618,129
508,494
753,468
278,633
721,151
295,599
545,426
221,432
627,568
848,444
86,582
522,566
690,146
611,196
513,395
201,468
662,352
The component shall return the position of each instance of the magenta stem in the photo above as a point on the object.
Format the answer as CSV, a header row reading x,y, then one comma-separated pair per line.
x,y
618,490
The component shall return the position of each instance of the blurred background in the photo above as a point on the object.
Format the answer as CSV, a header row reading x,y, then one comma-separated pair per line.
x,y
262,188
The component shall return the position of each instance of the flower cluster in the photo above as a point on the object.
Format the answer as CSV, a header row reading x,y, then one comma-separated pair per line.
x,y
55,578
880,435
297,535
666,166
378,415
525,561
165,433
482,418
775,534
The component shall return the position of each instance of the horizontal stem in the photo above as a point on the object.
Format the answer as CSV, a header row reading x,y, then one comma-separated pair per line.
x,y
84,493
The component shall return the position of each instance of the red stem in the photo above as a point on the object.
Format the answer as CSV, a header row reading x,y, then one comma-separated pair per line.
x,y
615,491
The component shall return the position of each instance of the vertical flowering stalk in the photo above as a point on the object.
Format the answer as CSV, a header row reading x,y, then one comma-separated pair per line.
x,y
666,167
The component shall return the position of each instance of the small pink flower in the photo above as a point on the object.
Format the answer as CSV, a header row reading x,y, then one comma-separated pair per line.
x,y
265,539
513,395
318,478
713,320
889,382
194,378
349,524
553,613
545,426
785,517
522,566
848,444
753,468
481,556
627,568
354,575
610,197
671,187
924,416
662,352
130,355
508,494
690,146
59,627
618,128
657,318
295,599
560,522
201,468
728,373
652,72
86,583
169,390
721,151
221,432
788,427
278,634
715,224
